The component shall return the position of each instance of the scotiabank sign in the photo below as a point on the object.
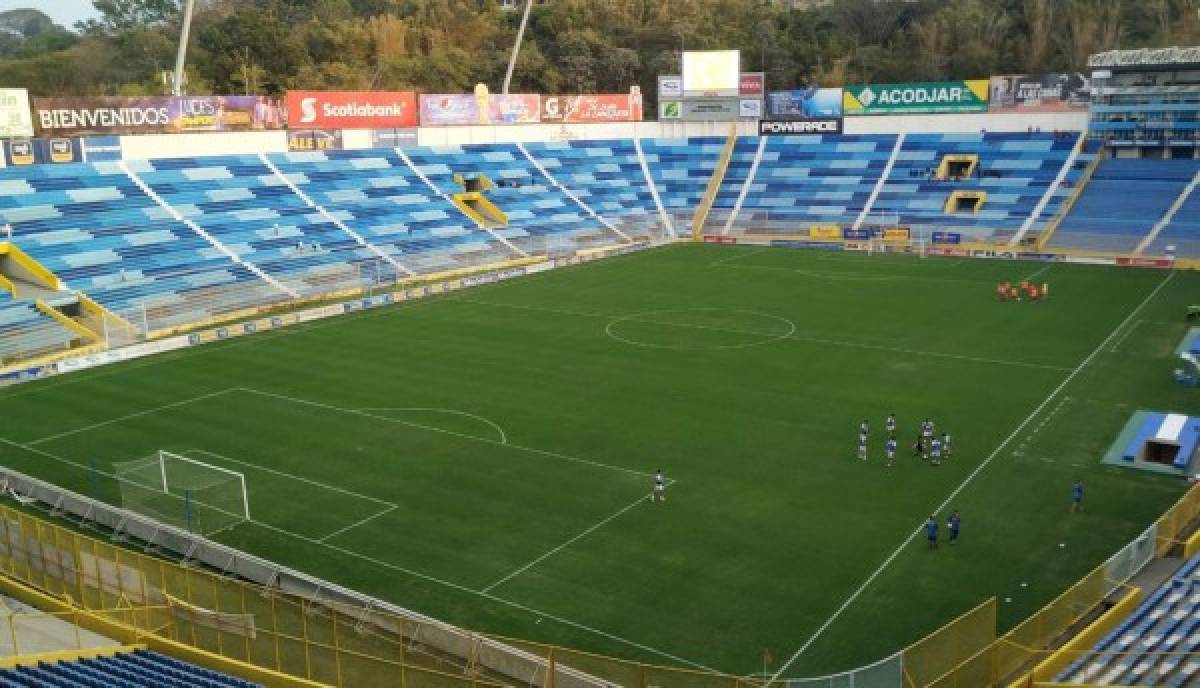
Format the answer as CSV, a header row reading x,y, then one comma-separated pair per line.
x,y
816,125
351,109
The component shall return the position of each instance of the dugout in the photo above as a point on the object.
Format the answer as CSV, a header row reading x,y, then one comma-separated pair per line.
x,y
965,202
1162,442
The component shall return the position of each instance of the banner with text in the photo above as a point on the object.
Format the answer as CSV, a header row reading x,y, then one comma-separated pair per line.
x,y
1061,92
18,152
448,109
15,119
352,109
935,97
592,108
791,127
314,139
156,114
808,103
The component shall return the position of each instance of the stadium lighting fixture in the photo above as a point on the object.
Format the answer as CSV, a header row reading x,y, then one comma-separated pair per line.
x,y
181,55
512,60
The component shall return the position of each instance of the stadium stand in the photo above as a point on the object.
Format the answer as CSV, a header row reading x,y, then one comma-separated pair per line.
x,y
1122,203
681,170
137,669
541,217
25,330
1149,647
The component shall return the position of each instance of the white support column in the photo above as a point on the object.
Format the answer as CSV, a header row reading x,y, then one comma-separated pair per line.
x,y
737,206
329,216
1054,187
141,184
887,172
433,187
571,195
662,212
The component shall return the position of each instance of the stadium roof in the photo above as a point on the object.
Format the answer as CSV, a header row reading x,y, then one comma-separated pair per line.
x,y
1146,57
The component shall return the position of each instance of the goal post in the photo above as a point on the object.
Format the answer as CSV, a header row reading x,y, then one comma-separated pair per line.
x,y
193,495
915,247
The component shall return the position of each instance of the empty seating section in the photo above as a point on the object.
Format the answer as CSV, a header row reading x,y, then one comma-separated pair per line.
x,y
94,228
138,669
741,163
245,206
805,180
375,194
1183,232
681,170
1123,201
540,215
26,331
606,175
1014,170
1155,646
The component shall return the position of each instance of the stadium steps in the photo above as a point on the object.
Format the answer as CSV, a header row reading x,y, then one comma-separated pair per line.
x,y
572,195
743,182
1051,192
887,173
700,218
1187,229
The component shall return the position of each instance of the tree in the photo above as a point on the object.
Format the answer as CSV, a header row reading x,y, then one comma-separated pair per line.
x,y
123,15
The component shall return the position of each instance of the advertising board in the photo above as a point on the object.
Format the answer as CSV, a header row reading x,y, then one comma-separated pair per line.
x,y
619,107
711,109
809,103
352,109
819,125
1057,92
75,116
314,139
448,109
928,97
15,118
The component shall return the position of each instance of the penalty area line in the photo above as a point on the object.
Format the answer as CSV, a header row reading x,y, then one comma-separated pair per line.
x,y
966,481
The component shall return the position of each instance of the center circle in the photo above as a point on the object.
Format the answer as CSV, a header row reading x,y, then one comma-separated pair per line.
x,y
699,329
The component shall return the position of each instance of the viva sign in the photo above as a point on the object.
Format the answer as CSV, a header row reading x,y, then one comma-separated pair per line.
x,y
929,97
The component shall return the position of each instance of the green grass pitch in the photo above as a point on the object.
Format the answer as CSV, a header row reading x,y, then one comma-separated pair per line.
x,y
486,456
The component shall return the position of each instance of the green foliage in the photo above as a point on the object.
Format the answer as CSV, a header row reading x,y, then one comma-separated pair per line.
x,y
570,45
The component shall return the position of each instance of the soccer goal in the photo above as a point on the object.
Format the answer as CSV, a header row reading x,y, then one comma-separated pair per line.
x,y
192,495
914,247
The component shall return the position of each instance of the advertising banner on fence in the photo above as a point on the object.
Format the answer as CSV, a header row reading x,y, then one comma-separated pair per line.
x,y
480,108
156,114
352,109
808,103
670,109
821,125
1061,92
825,232
393,138
18,152
752,84
670,87
15,119
750,108
314,139
102,148
620,107
932,97
712,109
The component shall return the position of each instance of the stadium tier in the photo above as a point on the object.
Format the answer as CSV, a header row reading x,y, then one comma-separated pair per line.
x,y
1155,646
1124,200
25,329
138,669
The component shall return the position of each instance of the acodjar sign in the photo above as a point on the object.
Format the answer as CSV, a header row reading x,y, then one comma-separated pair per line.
x,y
927,97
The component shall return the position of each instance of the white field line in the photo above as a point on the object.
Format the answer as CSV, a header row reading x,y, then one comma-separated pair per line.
x,y
1128,331
847,275
437,409
738,256
416,574
966,481
568,543
452,433
130,416
356,524
290,476
797,337
1039,272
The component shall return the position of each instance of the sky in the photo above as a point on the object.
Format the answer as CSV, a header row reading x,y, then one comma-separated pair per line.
x,y
64,12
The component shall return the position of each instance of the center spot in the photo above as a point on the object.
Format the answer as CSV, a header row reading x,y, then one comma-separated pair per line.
x,y
697,329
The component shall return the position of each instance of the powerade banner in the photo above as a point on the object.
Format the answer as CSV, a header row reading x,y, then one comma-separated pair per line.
x,y
18,152
822,125
15,119
934,97
806,104
595,108
352,109
459,109
156,114
1059,92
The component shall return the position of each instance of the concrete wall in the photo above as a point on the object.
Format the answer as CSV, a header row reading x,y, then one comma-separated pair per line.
x,y
937,124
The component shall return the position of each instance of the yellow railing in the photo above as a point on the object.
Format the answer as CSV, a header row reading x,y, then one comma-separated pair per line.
x,y
714,186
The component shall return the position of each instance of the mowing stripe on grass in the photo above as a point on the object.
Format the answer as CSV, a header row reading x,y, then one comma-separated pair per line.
x,y
966,481
411,572
797,337
568,543
452,433
129,416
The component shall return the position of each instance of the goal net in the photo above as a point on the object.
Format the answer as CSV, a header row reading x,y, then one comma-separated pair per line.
x,y
192,495
913,247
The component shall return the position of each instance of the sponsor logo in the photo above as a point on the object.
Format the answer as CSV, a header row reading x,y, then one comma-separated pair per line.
x,y
97,119
867,97
709,239
308,110
352,109
823,125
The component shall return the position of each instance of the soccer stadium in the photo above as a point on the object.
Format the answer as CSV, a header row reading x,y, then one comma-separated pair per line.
x,y
717,367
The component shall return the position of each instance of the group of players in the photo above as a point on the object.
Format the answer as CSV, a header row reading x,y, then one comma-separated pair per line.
x,y
1007,291
928,445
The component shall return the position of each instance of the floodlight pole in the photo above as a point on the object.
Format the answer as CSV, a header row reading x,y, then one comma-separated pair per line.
x,y
512,60
181,56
